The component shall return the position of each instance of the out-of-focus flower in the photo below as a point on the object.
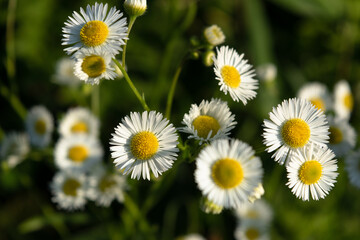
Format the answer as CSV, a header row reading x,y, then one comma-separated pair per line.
x,y
317,94
209,207
251,230
343,100
235,75
214,35
14,148
191,236
260,210
352,166
266,72
144,142
209,121
64,72
293,124
342,136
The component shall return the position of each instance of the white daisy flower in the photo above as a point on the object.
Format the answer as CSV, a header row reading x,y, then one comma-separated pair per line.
x,y
260,210
343,100
228,172
342,136
317,94
352,166
214,35
191,236
312,170
14,148
78,153
39,125
209,121
94,64
79,121
235,75
135,7
252,230
96,28
144,142
64,72
104,187
69,190
266,72
293,124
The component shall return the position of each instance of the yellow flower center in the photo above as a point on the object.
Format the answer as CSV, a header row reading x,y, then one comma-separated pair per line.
x,y
231,76
78,153
336,135
79,127
93,66
295,132
252,233
252,214
144,145
318,103
40,127
106,183
227,173
204,124
349,101
310,172
94,33
70,187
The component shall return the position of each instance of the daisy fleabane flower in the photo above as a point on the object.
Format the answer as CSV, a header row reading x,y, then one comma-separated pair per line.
x,y
343,100
95,28
64,72
14,148
39,125
293,124
94,64
214,35
312,171
135,7
235,74
227,172
252,230
144,142
209,121
69,190
317,94
352,166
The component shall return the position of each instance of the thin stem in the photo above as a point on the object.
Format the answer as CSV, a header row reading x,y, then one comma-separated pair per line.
x,y
14,101
132,86
95,100
172,91
131,23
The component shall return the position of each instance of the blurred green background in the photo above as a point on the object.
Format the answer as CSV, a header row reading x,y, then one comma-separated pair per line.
x,y
308,40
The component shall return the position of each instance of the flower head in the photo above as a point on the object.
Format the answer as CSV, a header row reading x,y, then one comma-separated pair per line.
x,y
317,94
135,7
214,35
343,100
342,136
64,72
14,148
352,166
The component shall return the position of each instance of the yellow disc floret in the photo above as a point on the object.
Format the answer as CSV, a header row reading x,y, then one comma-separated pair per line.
x,y
349,101
295,132
93,66
144,145
227,173
336,135
204,124
40,127
252,233
78,153
105,183
310,172
231,76
79,127
94,33
70,187
318,103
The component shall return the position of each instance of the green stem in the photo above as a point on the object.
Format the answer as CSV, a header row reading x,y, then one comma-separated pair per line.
x,y
95,100
132,86
172,91
10,45
131,23
14,101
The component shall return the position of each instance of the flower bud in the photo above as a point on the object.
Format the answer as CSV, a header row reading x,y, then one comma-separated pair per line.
x,y
135,8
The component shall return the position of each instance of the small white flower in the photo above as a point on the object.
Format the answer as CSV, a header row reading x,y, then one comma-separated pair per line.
x,y
209,121
78,153
191,236
352,166
235,75
312,170
64,72
69,190
95,29
14,148
214,35
135,7
251,230
79,121
227,172
260,210
266,72
104,187
293,124
144,142
343,100
39,125
317,94
342,136
92,65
